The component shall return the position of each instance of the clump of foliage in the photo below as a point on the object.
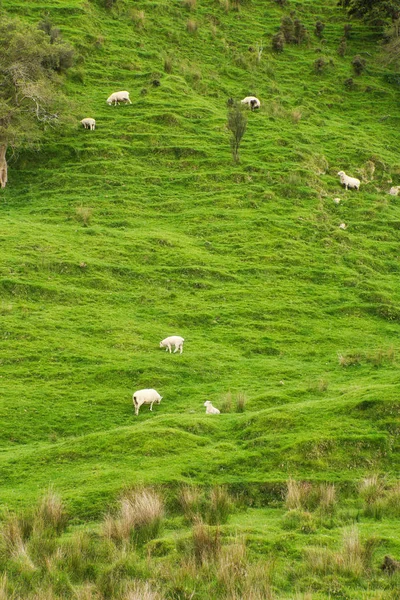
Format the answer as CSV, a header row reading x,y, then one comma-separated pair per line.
x,y
278,42
237,123
30,99
320,65
358,64
319,28
342,47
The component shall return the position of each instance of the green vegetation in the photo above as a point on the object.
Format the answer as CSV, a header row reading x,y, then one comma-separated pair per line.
x,y
115,238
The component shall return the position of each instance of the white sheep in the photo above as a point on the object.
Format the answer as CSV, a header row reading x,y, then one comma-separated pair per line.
x,y
210,409
336,201
147,396
89,123
342,226
173,340
394,191
252,102
117,97
349,182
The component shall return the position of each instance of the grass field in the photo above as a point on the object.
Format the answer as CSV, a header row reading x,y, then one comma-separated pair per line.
x,y
111,240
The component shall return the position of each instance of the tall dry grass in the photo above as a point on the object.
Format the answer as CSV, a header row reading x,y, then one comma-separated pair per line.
x,y
220,507
140,515
206,542
51,513
190,500
297,494
13,544
232,565
142,590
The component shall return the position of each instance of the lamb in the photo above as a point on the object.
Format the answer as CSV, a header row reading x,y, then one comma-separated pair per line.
x,y
147,396
252,102
210,409
349,182
173,340
117,97
89,123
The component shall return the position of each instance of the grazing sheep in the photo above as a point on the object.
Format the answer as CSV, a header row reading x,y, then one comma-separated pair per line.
x,y
342,226
173,340
89,123
349,182
210,409
117,97
336,201
147,396
394,191
252,102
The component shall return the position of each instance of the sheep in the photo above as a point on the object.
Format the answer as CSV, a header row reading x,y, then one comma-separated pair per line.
x,y
336,201
349,182
252,102
210,409
394,191
173,340
147,396
89,123
342,226
117,97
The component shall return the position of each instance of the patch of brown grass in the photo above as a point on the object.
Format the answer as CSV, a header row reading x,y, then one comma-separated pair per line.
x,y
192,26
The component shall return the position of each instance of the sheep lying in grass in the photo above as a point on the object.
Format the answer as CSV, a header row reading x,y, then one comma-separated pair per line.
x,y
146,396
342,226
210,409
394,191
252,102
89,123
349,182
173,340
118,97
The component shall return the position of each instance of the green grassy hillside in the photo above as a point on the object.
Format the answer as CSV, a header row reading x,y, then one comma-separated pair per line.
x,y
111,240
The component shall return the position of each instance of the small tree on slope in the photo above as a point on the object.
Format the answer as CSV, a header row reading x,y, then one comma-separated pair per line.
x,y
30,100
237,123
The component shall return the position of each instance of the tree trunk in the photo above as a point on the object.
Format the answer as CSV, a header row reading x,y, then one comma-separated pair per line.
x,y
3,166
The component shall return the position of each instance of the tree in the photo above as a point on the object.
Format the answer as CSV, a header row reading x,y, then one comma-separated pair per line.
x,y
237,123
31,61
380,12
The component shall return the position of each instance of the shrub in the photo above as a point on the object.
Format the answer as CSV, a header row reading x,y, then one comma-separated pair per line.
x,y
287,29
191,26
300,32
349,83
359,64
342,47
347,29
319,28
190,4
320,65
237,123
278,42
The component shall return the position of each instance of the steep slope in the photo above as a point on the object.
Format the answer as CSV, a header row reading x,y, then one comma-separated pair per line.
x,y
113,239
